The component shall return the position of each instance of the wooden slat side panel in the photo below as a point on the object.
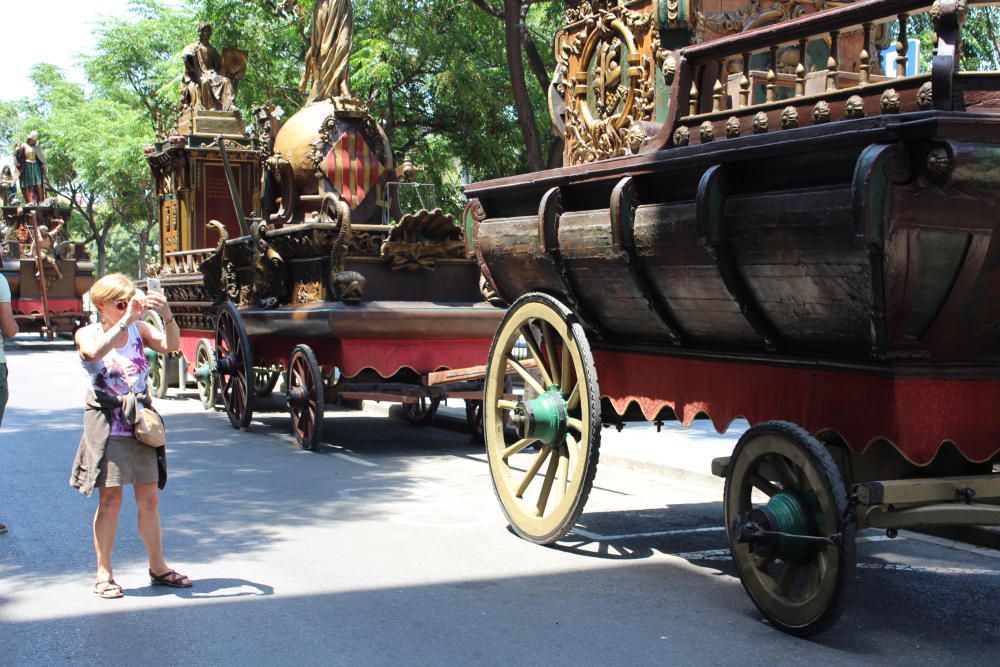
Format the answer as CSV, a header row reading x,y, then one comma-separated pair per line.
x,y
687,278
511,249
800,257
601,278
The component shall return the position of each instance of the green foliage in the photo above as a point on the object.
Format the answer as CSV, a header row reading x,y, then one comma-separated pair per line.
x,y
91,144
980,39
275,40
435,72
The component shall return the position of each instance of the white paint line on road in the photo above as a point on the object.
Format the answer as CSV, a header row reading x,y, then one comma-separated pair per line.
x,y
951,544
724,555
655,533
900,567
355,459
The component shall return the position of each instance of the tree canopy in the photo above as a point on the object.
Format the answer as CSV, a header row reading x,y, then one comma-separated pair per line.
x,y
437,73
458,85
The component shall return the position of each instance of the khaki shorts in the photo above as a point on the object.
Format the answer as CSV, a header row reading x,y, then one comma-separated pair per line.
x,y
127,461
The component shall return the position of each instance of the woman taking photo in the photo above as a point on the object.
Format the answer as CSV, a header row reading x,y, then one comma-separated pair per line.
x,y
109,456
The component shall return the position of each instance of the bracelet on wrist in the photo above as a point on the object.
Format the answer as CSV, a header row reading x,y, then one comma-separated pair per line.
x,y
172,320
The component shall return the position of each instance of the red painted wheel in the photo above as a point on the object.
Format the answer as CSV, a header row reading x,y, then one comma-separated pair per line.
x,y
234,364
305,397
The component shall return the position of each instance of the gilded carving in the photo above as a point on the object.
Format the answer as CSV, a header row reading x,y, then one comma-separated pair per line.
x,y
760,123
890,101
925,96
789,118
707,132
669,69
821,112
615,85
855,107
682,136
939,163
733,127
308,292
755,14
422,238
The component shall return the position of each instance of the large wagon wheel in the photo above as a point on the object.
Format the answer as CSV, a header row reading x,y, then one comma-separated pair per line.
x,y
422,410
795,554
305,397
157,378
204,373
234,361
264,380
562,420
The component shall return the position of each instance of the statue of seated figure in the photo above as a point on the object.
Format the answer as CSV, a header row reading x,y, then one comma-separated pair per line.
x,y
205,85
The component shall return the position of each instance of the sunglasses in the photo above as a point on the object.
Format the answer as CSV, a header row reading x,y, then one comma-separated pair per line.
x,y
121,304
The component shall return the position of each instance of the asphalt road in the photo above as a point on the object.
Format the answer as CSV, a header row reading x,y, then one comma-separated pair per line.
x,y
388,548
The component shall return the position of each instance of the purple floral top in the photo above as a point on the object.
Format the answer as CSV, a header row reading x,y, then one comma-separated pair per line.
x,y
123,369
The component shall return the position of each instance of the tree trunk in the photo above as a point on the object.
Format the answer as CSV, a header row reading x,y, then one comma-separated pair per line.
x,y
519,87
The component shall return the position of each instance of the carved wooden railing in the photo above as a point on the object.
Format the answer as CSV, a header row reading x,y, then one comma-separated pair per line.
x,y
185,263
708,103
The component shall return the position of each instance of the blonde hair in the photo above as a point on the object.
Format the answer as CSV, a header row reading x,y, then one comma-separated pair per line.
x,y
112,287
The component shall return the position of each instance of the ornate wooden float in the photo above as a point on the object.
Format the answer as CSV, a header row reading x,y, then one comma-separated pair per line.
x,y
761,225
339,289
48,277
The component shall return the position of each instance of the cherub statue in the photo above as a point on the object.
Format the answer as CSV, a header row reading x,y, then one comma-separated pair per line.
x,y
46,248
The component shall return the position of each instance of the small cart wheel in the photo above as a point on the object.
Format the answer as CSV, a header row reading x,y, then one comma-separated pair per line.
x,y
205,373
305,397
157,381
782,480
558,431
264,380
234,362
474,418
422,410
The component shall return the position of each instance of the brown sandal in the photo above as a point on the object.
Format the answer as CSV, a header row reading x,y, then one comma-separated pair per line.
x,y
170,578
108,589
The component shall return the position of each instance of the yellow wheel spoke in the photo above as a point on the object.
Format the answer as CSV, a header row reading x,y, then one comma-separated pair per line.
x,y
567,366
574,398
528,378
550,349
562,477
550,477
516,447
573,447
575,424
506,405
533,470
536,354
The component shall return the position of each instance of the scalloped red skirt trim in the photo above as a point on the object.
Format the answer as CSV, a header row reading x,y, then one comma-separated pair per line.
x,y
30,306
915,415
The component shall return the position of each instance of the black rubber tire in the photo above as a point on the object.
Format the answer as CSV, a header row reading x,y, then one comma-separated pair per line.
x,y
422,412
564,523
235,374
159,374
303,367
835,491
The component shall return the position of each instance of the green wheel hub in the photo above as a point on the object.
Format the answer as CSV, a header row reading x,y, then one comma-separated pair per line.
x,y
784,513
544,418
203,373
152,356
